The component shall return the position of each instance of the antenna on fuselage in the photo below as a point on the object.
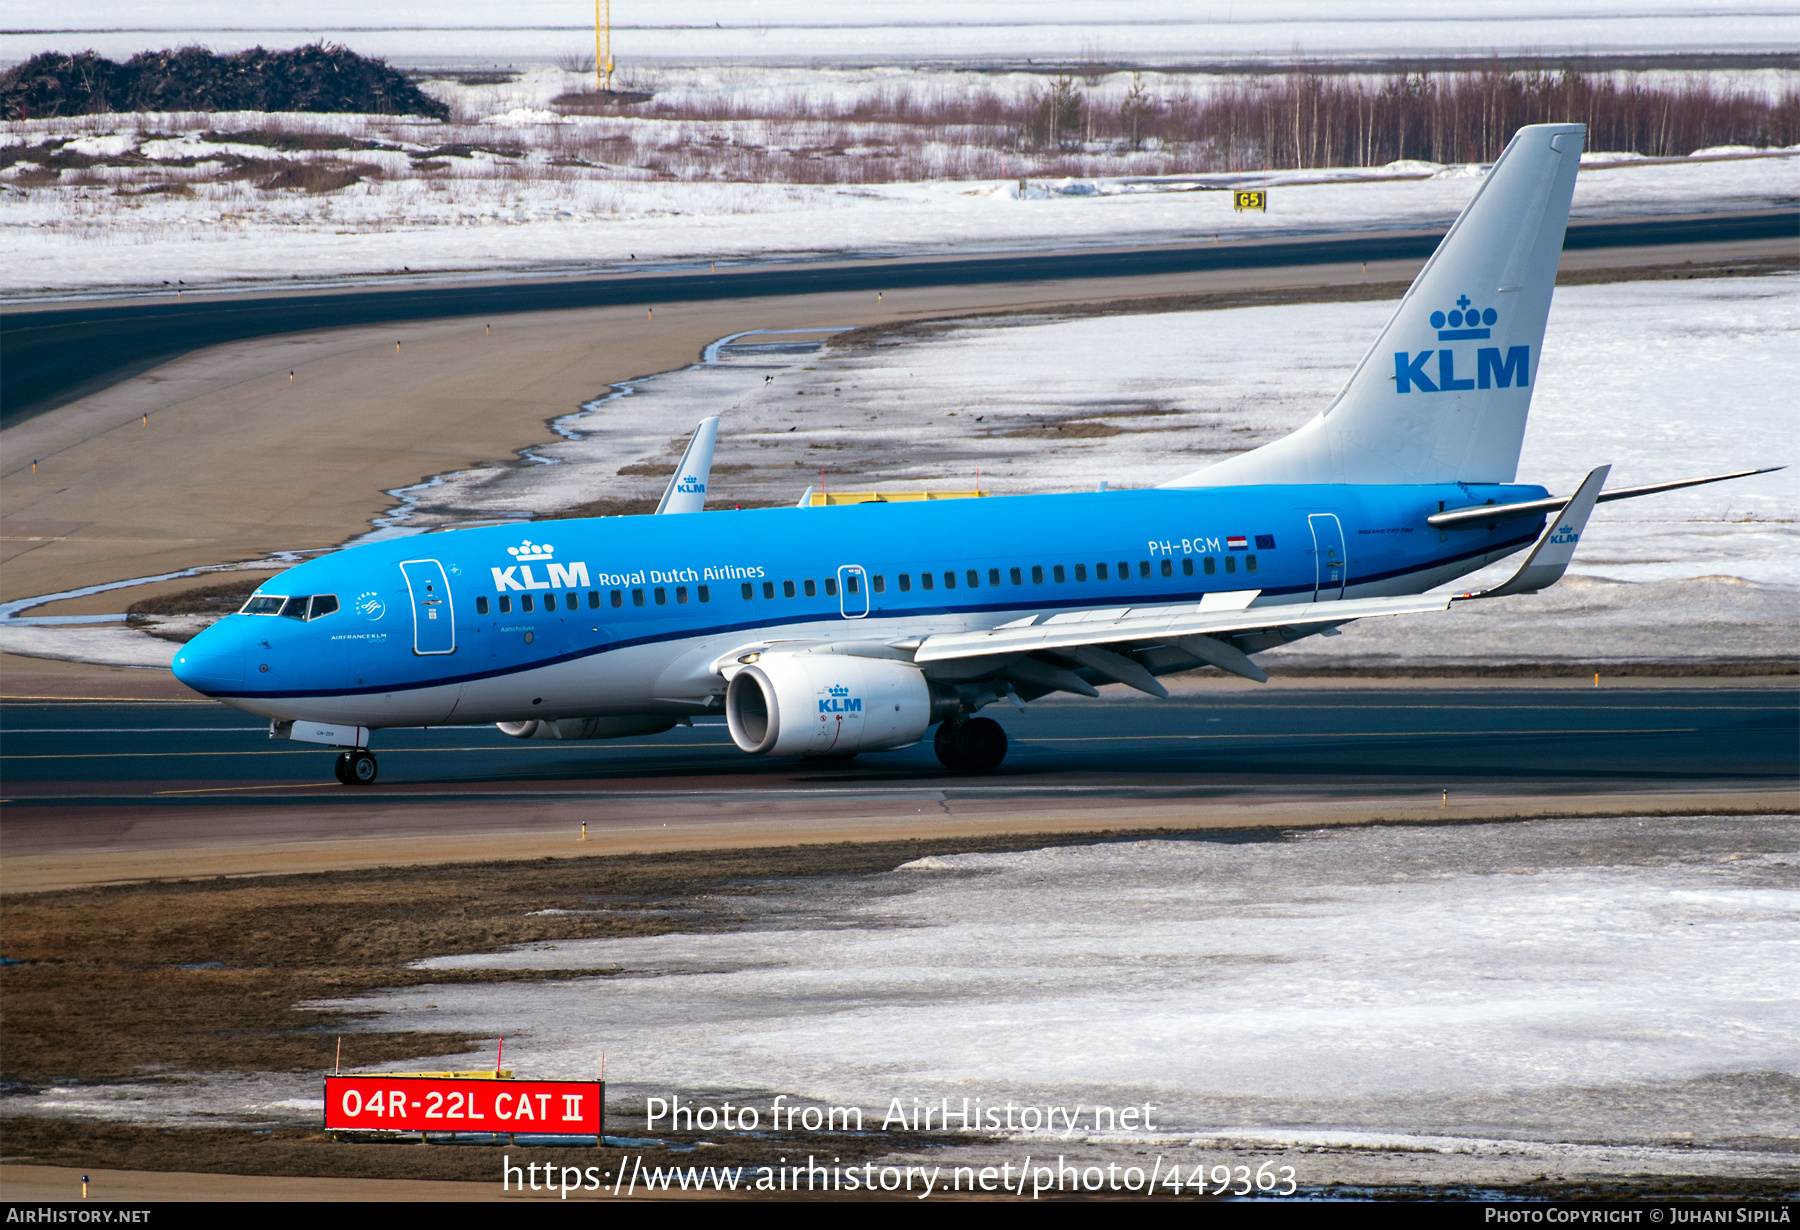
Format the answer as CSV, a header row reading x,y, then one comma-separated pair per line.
x,y
686,491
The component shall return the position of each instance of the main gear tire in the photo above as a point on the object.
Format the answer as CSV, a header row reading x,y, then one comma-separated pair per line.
x,y
977,745
341,767
360,769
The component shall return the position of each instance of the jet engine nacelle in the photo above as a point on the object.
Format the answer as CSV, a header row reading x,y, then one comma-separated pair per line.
x,y
589,728
827,704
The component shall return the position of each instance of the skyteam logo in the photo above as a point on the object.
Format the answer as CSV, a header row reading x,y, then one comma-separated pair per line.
x,y
1463,323
520,576
369,605
839,701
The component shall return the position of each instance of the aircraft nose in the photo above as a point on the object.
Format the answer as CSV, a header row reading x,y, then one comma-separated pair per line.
x,y
212,661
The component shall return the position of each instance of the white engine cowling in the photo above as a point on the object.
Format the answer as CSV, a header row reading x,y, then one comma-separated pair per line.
x,y
588,728
827,704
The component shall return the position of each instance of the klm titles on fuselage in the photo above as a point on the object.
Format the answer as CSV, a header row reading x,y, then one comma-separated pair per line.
x,y
1493,370
575,575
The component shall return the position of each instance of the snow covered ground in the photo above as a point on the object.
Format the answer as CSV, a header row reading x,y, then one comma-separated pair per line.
x,y
527,193
1487,1001
803,31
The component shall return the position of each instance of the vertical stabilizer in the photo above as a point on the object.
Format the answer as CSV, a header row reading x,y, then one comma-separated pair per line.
x,y
1443,395
686,491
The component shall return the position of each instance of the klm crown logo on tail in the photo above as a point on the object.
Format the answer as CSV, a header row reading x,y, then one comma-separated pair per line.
x,y
1464,322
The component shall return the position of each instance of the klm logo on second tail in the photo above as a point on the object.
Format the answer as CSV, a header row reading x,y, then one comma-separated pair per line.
x,y
1493,370
840,701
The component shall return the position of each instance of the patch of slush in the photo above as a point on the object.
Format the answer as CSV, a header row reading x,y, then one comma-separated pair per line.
x,y
1596,979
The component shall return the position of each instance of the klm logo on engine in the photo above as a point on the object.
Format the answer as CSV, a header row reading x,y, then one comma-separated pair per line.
x,y
1463,323
840,701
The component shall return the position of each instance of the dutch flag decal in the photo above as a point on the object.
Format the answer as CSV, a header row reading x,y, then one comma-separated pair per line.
x,y
1237,542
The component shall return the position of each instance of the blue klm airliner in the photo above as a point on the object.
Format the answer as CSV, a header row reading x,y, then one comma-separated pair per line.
x,y
839,630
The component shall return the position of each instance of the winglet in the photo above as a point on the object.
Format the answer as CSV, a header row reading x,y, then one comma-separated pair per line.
x,y
686,491
1555,547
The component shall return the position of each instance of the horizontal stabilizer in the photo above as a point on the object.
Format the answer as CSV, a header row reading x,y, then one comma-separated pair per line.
x,y
1484,513
1555,547
686,491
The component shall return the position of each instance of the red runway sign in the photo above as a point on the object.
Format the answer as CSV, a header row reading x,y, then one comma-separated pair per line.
x,y
440,1104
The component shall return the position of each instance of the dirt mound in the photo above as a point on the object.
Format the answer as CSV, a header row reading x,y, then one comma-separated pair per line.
x,y
314,78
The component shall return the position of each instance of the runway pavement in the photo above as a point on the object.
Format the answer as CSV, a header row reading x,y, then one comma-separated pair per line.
x,y
159,788
55,356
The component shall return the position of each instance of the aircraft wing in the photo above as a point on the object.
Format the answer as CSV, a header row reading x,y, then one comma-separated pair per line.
x,y
1096,628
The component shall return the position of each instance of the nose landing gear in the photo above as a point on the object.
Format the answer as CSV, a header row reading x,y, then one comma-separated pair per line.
x,y
356,768
977,745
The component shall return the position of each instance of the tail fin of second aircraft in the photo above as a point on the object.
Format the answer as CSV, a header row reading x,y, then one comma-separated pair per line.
x,y
686,491
1443,395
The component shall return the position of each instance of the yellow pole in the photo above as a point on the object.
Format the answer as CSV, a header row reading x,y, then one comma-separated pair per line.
x,y
603,44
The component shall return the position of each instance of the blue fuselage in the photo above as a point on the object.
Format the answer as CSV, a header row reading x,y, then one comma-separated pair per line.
x,y
628,614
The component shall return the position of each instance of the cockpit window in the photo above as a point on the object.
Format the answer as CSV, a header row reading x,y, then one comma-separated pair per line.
x,y
295,608
302,607
263,604
323,604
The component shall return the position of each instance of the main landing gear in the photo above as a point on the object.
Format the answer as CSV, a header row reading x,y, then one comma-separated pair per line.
x,y
975,745
356,768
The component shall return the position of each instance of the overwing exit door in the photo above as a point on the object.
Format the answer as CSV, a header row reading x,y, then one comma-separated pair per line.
x,y
1328,556
434,623
853,591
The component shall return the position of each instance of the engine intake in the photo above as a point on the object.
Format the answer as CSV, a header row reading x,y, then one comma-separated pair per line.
x,y
808,704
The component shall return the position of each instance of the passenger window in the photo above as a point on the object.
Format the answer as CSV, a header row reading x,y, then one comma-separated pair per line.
x,y
1168,567
325,604
1249,563
949,579
1016,578
525,602
973,578
481,606
850,585
263,605
880,584
593,599
769,589
569,601
505,605
1187,566
1058,575
1081,572
637,597
905,582
749,591
549,602
1037,574
705,594
295,608
662,596
925,581
618,599
1143,568
1124,570
812,590
1099,572
681,595
787,588
993,576
831,586
1231,563
1209,565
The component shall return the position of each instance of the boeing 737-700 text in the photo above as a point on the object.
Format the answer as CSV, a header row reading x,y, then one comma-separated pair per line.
x,y
838,630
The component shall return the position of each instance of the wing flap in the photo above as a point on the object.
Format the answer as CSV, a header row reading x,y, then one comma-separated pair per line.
x,y
1166,625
